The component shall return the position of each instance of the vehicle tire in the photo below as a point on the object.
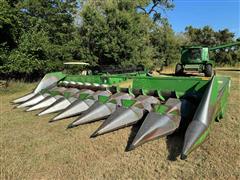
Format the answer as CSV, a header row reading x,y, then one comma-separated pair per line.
x,y
179,69
208,70
140,67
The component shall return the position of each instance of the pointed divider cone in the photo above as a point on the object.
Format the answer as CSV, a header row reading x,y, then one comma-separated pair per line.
x,y
79,105
59,105
194,132
74,109
101,93
155,126
122,117
198,129
159,124
163,122
24,98
70,92
96,112
125,116
34,100
44,103
48,82
40,97
84,92
100,111
73,91
146,102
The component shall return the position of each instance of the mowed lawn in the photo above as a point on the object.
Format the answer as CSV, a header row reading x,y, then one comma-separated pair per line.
x,y
32,148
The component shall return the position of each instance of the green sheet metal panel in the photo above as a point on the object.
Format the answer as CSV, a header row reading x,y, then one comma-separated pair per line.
x,y
180,85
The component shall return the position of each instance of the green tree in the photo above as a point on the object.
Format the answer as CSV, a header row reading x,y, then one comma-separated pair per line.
x,y
36,35
35,55
114,33
53,16
154,8
166,44
123,32
10,26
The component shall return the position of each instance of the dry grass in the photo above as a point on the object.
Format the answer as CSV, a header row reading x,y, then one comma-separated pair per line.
x,y
31,148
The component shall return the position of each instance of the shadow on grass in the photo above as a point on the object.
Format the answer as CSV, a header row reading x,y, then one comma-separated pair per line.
x,y
133,133
174,142
174,145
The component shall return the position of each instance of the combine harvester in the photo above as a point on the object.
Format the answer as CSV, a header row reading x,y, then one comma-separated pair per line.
x,y
197,58
163,104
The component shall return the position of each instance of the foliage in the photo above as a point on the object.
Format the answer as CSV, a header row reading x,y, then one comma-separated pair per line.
x,y
10,26
114,33
36,33
36,36
34,55
154,8
166,43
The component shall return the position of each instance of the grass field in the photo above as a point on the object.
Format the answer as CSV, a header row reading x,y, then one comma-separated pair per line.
x,y
31,148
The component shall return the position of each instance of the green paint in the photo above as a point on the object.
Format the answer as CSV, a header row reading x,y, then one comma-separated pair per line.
x,y
161,109
83,96
128,102
67,94
54,93
201,139
158,86
59,75
181,85
200,54
103,99
160,96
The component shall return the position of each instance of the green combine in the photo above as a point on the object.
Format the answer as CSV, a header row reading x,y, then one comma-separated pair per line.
x,y
164,104
197,58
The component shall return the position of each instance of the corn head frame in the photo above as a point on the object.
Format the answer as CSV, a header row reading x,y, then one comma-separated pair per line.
x,y
163,104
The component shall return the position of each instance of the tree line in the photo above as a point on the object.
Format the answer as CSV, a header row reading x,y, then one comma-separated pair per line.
x,y
37,36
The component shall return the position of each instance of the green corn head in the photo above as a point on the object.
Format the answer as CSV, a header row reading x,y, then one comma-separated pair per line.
x,y
163,104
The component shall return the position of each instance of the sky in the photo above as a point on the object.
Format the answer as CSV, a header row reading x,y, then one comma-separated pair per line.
x,y
218,14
